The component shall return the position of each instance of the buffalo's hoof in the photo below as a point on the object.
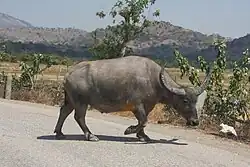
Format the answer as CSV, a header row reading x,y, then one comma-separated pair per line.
x,y
91,137
130,130
143,138
60,136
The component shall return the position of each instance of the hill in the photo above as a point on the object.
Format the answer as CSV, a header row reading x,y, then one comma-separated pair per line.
x,y
158,41
164,33
235,48
7,21
55,36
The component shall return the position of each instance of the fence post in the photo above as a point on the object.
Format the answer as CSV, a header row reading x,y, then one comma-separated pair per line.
x,y
7,86
59,73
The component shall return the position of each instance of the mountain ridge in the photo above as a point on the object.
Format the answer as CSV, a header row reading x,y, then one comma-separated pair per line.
x,y
7,21
158,40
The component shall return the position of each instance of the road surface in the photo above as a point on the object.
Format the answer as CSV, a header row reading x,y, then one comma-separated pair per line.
x,y
27,140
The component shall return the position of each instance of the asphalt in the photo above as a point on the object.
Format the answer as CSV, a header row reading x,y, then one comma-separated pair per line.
x,y
27,139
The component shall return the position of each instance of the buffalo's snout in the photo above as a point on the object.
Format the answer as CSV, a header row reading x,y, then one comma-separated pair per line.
x,y
193,122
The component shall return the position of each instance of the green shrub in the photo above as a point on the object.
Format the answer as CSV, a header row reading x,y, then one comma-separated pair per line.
x,y
30,70
226,103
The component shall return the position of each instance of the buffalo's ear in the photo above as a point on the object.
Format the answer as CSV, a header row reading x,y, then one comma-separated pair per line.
x,y
200,102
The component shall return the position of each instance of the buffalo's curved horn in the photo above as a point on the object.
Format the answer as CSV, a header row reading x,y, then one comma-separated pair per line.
x,y
169,85
205,83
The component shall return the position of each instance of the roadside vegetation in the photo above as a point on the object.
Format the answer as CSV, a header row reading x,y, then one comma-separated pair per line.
x,y
228,98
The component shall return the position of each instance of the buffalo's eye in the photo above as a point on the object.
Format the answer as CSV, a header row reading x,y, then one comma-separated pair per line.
x,y
185,100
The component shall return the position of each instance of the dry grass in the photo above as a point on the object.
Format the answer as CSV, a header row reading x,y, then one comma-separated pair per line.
x,y
45,92
15,69
56,72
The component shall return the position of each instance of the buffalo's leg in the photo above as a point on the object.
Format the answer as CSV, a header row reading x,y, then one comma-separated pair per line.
x,y
141,134
141,116
80,113
65,110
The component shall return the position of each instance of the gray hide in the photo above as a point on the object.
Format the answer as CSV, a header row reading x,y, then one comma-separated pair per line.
x,y
129,83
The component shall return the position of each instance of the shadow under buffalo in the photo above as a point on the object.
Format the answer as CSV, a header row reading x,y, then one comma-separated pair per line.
x,y
127,140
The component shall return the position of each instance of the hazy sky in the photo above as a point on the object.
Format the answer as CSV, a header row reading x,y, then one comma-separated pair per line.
x,y
229,18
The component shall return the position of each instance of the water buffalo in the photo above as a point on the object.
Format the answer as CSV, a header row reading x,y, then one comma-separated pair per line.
x,y
130,83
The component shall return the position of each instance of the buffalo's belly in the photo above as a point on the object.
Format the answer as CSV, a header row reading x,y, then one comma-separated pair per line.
x,y
109,108
121,103
109,103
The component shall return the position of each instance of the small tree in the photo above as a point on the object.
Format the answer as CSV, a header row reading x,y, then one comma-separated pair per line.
x,y
133,22
3,55
225,103
30,71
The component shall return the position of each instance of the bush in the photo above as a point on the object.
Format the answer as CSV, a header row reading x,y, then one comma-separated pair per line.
x,y
44,92
225,103
31,70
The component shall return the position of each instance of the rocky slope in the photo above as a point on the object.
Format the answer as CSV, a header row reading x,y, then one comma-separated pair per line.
x,y
235,49
162,34
7,21
158,41
56,36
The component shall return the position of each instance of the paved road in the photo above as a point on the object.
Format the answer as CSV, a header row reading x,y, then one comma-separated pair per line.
x,y
26,139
